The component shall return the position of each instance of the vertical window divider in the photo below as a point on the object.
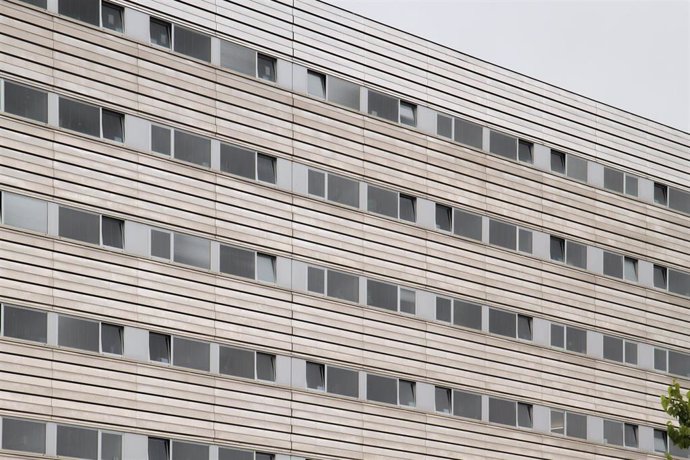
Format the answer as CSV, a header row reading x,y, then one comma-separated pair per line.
x,y
2,95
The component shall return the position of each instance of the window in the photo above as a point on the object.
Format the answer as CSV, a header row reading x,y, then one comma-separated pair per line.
x,y
23,435
524,415
524,327
236,261
502,234
80,10
382,295
160,244
630,352
467,405
569,424
557,336
234,454
24,212
660,441
467,314
80,117
111,446
620,434
576,168
503,145
467,224
502,411
382,389
660,360
613,348
191,354
78,333
442,397
630,269
112,232
525,241
113,126
159,449
25,324
26,102
191,250
382,201
237,362
238,58
468,133
557,422
614,180
502,322
237,160
443,218
161,141
630,185
160,32
111,16
316,183
77,442
316,280
576,255
192,43
407,301
265,367
660,194
316,84
342,286
407,393
343,92
679,363
408,113
38,3
443,309
383,106
111,338
265,268
613,265
265,168
316,376
525,151
557,247
159,347
343,191
568,337
444,126
187,450
660,277
557,162
191,148
265,67
679,283
340,381
679,200
408,208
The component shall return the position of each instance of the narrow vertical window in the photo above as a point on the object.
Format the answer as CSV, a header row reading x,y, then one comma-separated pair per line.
x,y
111,16
503,145
660,277
525,151
408,113
158,449
316,376
557,247
26,102
443,400
630,269
443,309
631,185
265,367
406,393
316,280
161,140
160,32
557,336
160,244
111,338
407,301
113,126
159,347
444,126
266,67
316,84
525,241
408,209
112,232
266,268
660,194
557,162
443,218
266,168
316,183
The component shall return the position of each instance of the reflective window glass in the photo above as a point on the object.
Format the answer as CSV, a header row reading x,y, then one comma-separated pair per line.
x,y
112,232
382,389
557,162
25,212
316,377
77,116
265,268
316,280
503,145
502,411
23,435
467,224
80,10
266,168
316,183
383,106
576,168
238,58
342,381
192,148
444,126
192,250
406,393
78,333
236,261
237,160
443,218
382,201
191,354
160,139
111,338
467,405
111,16
160,244
442,399
265,67
236,361
408,114
77,442
189,451
159,347
316,84
342,286
113,126
265,367
160,32
79,225
25,324
192,43
502,234
380,294
343,92
468,133
26,102
467,314
342,190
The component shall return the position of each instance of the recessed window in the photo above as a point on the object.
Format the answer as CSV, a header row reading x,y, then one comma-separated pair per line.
x,y
557,422
467,405
614,180
265,268
111,338
236,261
679,200
525,152
503,145
187,450
557,336
111,16
557,162
613,348
192,250
112,232
467,314
660,360
343,191
265,168
408,208
77,442
316,280
502,411
679,363
557,249
383,106
569,424
382,389
316,84
576,340
342,286
631,187
442,397
630,269
343,92
26,102
192,43
660,194
111,446
192,148
407,301
316,376
443,218
80,10
443,309
23,435
79,225
444,126
678,282
113,126
383,295
191,354
161,140
160,244
382,201
25,324
525,241
502,323
576,168
408,113
265,67
39,3
25,212
660,277
468,133
467,224
407,393
159,347
237,362
631,353
502,234
316,183
343,382
78,333
158,449
524,415
238,58
613,265
235,454
524,327
265,367
160,32
576,254
80,117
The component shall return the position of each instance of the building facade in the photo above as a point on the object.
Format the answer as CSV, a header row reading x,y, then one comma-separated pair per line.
x,y
278,230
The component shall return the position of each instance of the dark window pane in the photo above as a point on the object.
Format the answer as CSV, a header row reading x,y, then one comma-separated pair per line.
x,y
443,309
191,354
112,231
265,367
343,92
192,43
502,411
79,225
557,162
660,360
630,435
525,241
677,451
406,393
39,3
316,182
467,224
468,133
264,456
191,148
678,282
576,425
407,301
111,446
557,247
25,212
266,268
87,11
159,449
160,244
192,250
660,441
679,200
524,415
111,16
660,280
383,106
613,180
111,339
442,399
316,379
234,454
557,422
238,58
557,336
382,389
189,451
382,201
631,353
316,280
577,168
160,139
236,261
343,286
576,340
342,190
467,405
80,117
342,381
113,126
238,362
78,333
613,348
502,234
502,323
408,208
524,327
77,442
237,160
443,218
23,435
525,151
660,194
630,269
467,314
382,295
444,126
316,84
26,102
22,323
576,255
631,185
503,145
408,114
613,265
159,347
679,363
265,67
160,32
266,168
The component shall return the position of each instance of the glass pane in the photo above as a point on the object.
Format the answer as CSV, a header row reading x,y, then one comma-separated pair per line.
x,y
678,282
630,269
234,454
315,376
468,133
503,145
266,67
679,200
265,268
467,224
160,140
238,58
160,32
613,265
342,190
23,435
525,151
316,183
80,117
502,234
111,16
557,336
383,106
160,244
238,362
111,338
467,405
557,162
343,286
77,442
444,126
342,381
408,208
577,168
660,442
159,449
191,43
677,451
525,241
26,102
502,322
613,348
660,194
408,114
22,323
236,261
316,84
443,309
442,399
576,426
382,201
265,367
382,295
557,422
660,360
316,280
406,392
79,225
78,333
264,456
524,327
443,218
630,185
266,168
191,354
38,3
407,301
630,352
111,446
113,126
192,250
660,277
630,435
237,160
382,389
343,92
80,10
112,232
502,411
524,415
189,451
679,363
557,248
576,340
193,149
467,314
613,180
159,347
24,212
576,255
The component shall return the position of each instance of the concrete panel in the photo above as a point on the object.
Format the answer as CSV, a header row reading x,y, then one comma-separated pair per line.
x,y
426,213
137,133
299,79
137,25
645,190
362,290
51,439
283,370
645,435
645,356
426,305
53,219
426,119
215,154
485,230
485,408
426,400
53,114
135,446
284,74
300,177
284,174
284,272
485,318
137,238
52,329
541,418
542,157
214,356
595,344
363,99
299,276
215,256
541,245
595,174
363,196
362,385
645,273
215,51
136,343
299,373
595,260
541,332
595,429
486,139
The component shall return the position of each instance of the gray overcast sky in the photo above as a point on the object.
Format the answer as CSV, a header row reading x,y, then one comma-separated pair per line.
x,y
634,55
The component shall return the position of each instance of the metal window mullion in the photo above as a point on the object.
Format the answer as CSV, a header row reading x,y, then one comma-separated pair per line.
x,y
256,65
325,378
100,337
2,320
170,359
397,390
2,95
100,17
325,282
100,121
100,442
256,365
